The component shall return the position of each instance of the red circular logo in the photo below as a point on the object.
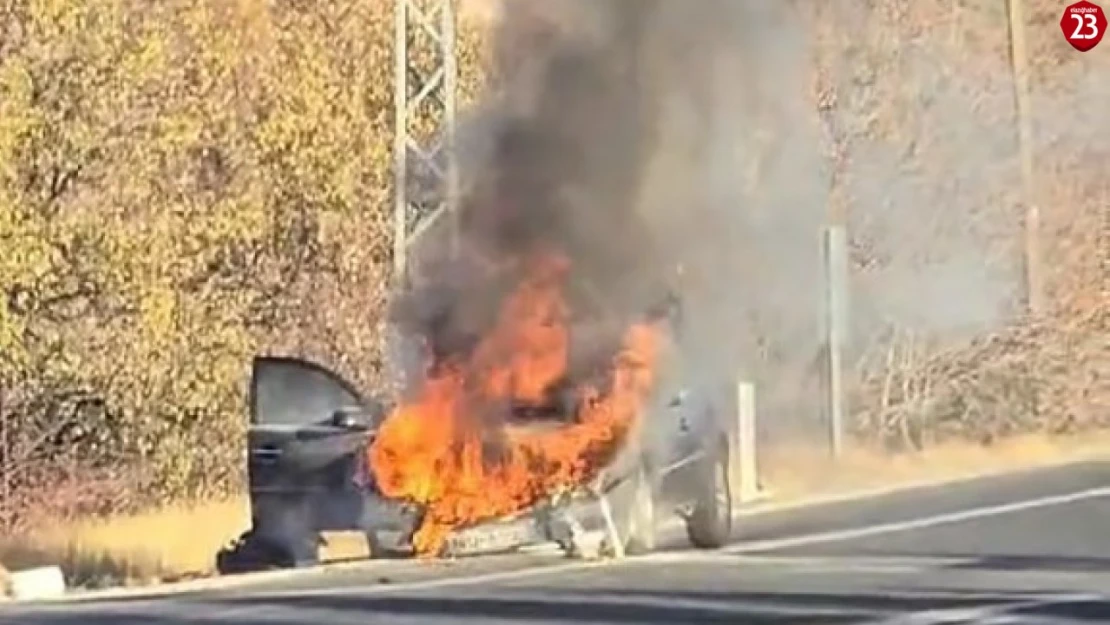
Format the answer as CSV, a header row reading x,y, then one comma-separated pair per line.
x,y
1083,24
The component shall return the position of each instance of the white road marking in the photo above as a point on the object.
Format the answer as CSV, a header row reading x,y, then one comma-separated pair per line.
x,y
380,588
756,546
996,614
815,564
430,584
750,547
835,564
909,487
248,579
548,608
741,548
923,523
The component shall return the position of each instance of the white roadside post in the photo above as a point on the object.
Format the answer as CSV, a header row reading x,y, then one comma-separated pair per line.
x,y
836,327
745,476
37,584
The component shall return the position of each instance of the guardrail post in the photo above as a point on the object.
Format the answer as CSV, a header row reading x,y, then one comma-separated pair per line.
x,y
836,327
745,468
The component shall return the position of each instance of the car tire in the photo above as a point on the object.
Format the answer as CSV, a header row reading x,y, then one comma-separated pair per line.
x,y
709,525
250,553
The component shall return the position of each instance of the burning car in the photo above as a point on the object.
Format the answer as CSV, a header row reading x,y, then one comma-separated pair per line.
x,y
496,450
308,474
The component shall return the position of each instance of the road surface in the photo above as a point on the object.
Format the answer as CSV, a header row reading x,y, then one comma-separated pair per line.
x,y
1032,547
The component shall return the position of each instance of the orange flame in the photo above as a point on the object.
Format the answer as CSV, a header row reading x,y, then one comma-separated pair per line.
x,y
444,451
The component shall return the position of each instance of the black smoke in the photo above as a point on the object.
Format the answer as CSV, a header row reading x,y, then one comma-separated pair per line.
x,y
573,128
617,133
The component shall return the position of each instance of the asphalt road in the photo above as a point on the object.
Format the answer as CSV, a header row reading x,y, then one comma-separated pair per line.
x,y
1025,548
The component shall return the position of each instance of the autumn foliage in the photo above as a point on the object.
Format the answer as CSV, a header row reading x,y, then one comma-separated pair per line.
x,y
182,184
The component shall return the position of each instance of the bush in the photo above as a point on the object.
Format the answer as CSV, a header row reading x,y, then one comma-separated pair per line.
x,y
181,186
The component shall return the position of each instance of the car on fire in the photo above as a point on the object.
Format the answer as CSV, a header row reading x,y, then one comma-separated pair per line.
x,y
308,475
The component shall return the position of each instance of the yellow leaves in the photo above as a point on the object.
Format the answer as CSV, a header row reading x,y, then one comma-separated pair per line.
x,y
227,167
25,248
157,308
239,219
11,328
52,17
179,130
15,87
17,120
149,57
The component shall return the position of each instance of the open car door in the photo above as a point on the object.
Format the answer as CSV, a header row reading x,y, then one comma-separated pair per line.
x,y
307,465
308,431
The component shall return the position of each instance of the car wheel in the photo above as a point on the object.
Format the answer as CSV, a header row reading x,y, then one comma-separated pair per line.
x,y
709,526
249,553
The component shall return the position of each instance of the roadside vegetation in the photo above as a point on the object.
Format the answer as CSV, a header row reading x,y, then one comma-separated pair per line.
x,y
183,185
929,86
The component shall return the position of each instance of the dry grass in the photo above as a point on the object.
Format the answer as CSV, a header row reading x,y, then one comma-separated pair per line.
x,y
170,543
180,542
794,473
167,544
1047,377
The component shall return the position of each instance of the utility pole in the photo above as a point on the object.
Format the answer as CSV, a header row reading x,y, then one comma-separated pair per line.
x,y
1019,59
426,176
425,170
835,254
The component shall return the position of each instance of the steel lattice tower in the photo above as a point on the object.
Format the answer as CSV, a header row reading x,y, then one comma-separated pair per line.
x,y
426,177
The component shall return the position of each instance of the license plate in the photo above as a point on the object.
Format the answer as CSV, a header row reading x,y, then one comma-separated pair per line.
x,y
491,538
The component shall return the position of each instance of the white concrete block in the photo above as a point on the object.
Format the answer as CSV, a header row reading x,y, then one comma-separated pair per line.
x,y
45,582
590,545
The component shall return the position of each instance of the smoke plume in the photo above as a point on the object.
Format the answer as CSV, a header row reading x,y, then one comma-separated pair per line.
x,y
627,135
697,149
